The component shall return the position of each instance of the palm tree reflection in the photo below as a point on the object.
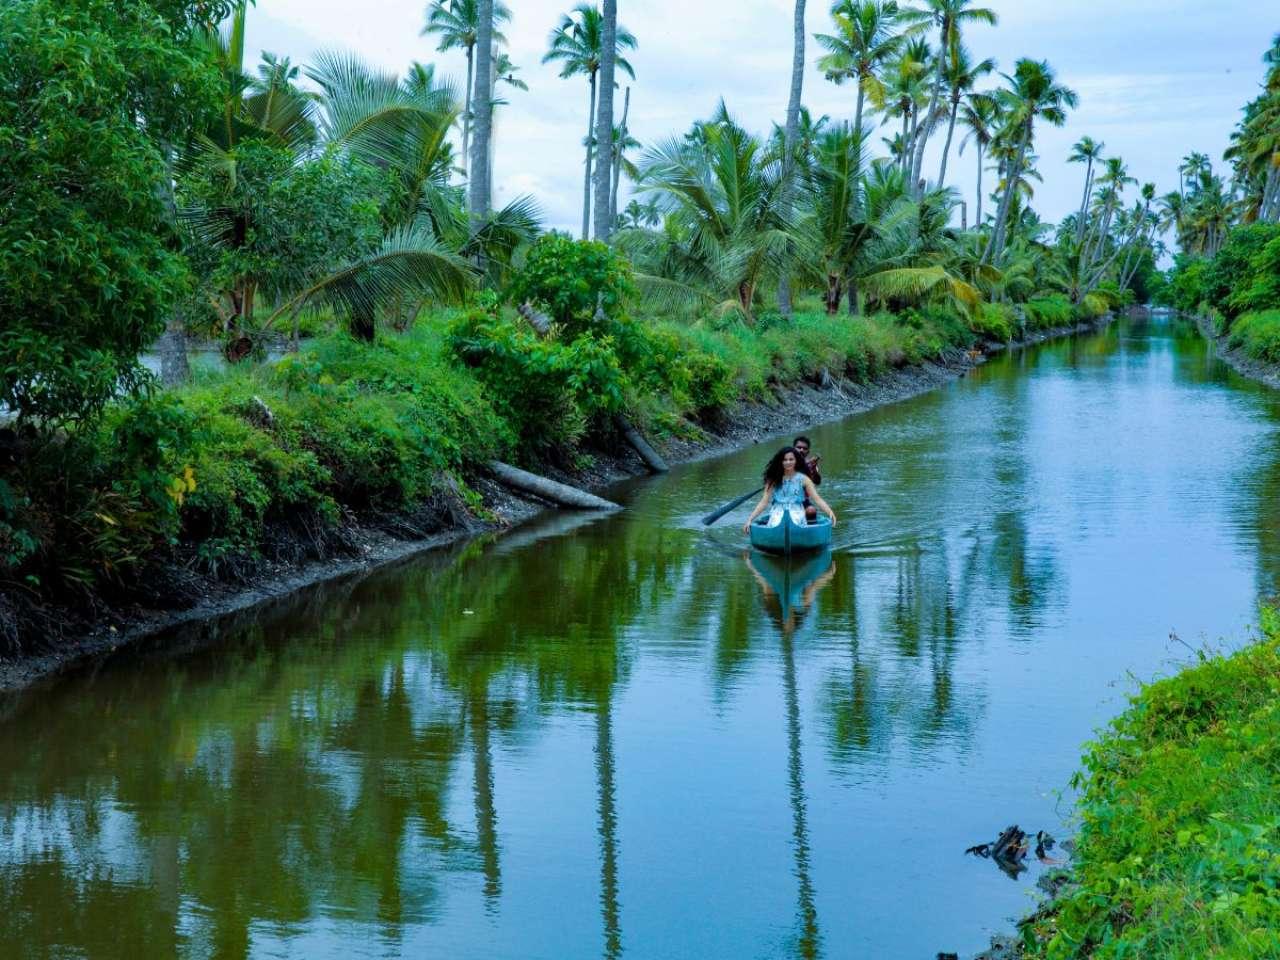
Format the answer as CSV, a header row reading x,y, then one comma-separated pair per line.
x,y
789,588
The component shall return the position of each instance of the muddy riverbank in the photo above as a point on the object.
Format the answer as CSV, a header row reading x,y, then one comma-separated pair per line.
x,y
75,637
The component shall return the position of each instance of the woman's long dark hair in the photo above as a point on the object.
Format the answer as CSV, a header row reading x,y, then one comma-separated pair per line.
x,y
773,473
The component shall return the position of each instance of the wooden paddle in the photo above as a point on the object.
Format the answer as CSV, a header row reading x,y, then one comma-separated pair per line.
x,y
711,518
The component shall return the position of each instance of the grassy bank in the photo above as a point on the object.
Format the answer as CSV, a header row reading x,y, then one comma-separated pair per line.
x,y
274,462
1179,848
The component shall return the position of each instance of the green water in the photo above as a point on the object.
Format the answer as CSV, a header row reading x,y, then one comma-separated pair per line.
x,y
626,737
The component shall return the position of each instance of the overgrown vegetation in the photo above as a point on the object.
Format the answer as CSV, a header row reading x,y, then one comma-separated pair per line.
x,y
1179,848
161,185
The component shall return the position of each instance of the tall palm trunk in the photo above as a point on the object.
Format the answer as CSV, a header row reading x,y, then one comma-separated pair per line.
x,y
807,911
996,247
482,101
483,795
466,111
617,160
586,177
977,223
1084,202
946,147
833,295
923,135
906,139
791,135
172,345
604,116
862,99
607,815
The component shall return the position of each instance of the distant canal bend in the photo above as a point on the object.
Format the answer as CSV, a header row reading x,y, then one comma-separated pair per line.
x,y
626,737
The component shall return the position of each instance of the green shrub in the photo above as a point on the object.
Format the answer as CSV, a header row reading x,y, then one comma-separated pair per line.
x,y
1233,269
1259,289
549,391
1179,849
1094,306
994,321
1258,335
570,279
1049,312
1187,283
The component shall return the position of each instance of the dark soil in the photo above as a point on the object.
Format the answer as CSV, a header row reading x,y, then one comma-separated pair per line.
x,y
56,638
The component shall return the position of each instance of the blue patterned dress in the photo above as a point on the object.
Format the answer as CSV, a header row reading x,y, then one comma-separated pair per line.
x,y
789,497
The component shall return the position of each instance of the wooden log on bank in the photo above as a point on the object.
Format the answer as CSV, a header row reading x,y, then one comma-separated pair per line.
x,y
548,489
652,459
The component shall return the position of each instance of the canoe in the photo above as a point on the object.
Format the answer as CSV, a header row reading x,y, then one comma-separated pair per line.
x,y
790,537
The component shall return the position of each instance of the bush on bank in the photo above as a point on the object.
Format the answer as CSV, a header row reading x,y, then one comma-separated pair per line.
x,y
269,461
1243,278
1179,848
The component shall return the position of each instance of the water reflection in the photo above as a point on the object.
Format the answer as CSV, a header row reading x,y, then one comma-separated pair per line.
x,y
525,747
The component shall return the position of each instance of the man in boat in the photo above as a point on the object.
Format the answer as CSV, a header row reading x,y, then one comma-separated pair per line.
x,y
809,467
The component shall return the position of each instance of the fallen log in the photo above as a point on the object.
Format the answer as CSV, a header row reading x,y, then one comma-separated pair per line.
x,y
547,489
652,459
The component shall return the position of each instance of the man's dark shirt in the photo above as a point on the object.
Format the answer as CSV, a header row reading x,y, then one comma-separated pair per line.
x,y
810,470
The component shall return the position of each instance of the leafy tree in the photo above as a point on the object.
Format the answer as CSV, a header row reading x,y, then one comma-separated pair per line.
x,y
92,92
278,225
573,280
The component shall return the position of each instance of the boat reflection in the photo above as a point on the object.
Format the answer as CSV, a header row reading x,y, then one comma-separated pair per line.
x,y
789,584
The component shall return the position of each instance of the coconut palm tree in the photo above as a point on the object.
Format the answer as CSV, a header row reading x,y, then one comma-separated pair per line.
x,y
1193,164
1088,151
727,230
864,39
276,103
604,117
478,183
791,132
1111,184
962,76
457,24
576,44
835,214
1033,94
637,214
949,17
980,116
623,142
903,93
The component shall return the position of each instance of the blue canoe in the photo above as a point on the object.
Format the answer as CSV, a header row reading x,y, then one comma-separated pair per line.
x,y
790,537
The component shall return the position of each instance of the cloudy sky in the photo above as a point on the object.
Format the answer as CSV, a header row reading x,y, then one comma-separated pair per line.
x,y
1156,78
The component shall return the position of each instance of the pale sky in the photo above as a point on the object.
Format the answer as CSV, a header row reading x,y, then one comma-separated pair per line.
x,y
1156,78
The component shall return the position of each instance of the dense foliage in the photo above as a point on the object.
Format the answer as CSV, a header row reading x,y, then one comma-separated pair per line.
x,y
1178,855
92,92
162,184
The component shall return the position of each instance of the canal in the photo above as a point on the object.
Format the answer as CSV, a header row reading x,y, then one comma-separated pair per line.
x,y
626,736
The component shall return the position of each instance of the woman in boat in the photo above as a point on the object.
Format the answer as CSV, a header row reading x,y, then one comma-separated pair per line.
x,y
785,489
